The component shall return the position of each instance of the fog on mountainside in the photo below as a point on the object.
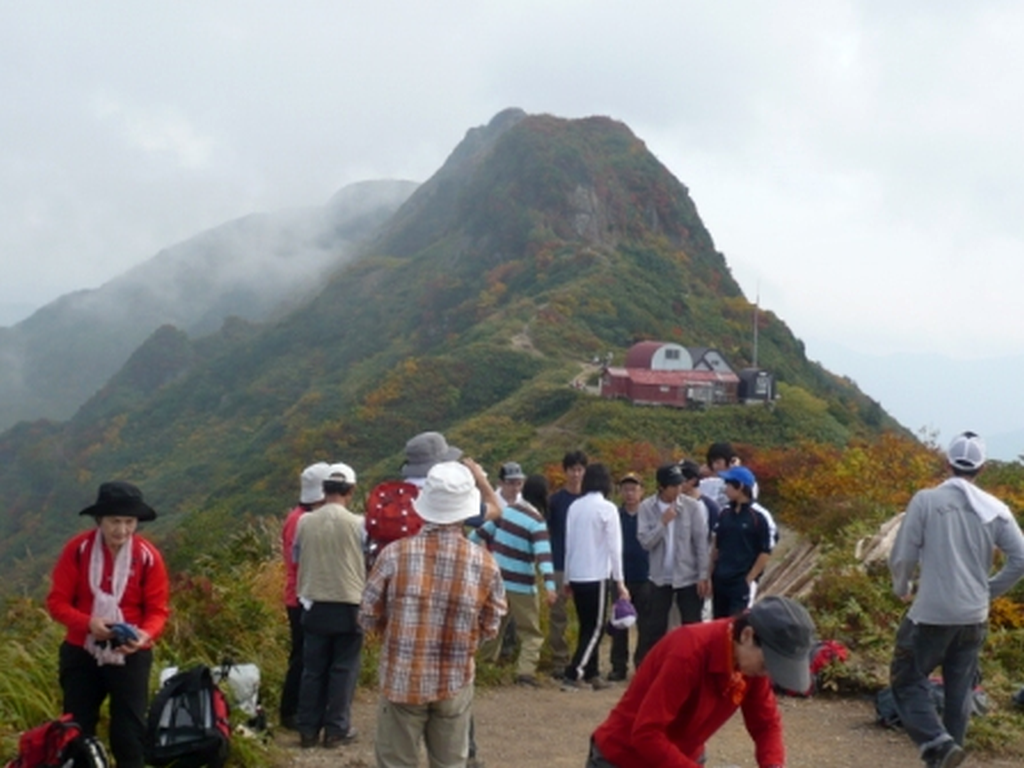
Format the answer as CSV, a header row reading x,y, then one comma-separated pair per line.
x,y
253,268
936,397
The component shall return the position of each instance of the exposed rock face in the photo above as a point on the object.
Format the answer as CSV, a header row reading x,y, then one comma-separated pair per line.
x,y
588,218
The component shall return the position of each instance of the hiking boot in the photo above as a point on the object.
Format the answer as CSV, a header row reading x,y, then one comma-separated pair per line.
x,y
308,740
616,676
528,681
332,740
949,754
599,683
572,686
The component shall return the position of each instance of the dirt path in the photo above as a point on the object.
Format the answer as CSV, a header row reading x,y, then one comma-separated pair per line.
x,y
547,728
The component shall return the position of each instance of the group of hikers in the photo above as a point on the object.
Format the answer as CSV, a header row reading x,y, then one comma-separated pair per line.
x,y
470,566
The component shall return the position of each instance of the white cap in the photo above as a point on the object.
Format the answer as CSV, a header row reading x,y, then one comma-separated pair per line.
x,y
340,473
312,483
967,452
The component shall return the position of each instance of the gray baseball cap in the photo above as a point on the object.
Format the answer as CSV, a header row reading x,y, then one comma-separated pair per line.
x,y
786,632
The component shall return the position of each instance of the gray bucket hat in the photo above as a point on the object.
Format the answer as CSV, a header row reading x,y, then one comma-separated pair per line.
x,y
424,451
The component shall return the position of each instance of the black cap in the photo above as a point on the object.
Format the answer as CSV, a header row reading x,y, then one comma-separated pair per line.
x,y
669,474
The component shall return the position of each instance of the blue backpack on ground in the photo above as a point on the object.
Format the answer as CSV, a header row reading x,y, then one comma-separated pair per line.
x,y
189,724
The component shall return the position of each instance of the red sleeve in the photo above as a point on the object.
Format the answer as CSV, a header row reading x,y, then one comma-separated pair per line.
x,y
678,680
761,716
156,594
61,602
288,536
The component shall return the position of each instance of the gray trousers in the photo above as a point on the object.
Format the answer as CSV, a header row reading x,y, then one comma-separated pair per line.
x,y
920,648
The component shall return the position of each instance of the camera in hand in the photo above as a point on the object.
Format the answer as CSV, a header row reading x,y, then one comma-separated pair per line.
x,y
122,634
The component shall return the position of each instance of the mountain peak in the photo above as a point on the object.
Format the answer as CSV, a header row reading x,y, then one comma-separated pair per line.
x,y
523,178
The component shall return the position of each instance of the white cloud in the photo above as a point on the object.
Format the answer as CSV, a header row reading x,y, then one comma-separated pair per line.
x,y
161,130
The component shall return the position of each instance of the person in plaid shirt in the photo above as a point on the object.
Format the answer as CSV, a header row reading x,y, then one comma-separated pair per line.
x,y
433,597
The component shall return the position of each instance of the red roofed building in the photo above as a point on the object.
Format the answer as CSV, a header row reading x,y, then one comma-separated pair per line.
x,y
664,373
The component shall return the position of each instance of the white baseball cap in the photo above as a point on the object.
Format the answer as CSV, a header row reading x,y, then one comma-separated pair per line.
x,y
967,451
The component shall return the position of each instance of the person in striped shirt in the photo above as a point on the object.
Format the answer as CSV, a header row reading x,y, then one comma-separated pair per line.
x,y
520,544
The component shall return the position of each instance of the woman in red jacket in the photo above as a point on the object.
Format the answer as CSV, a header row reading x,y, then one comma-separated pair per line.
x,y
110,590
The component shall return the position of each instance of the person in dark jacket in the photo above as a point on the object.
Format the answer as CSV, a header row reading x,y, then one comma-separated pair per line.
x,y
635,568
574,464
742,545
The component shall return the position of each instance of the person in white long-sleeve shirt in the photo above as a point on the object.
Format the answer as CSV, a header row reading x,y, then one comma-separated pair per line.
x,y
593,555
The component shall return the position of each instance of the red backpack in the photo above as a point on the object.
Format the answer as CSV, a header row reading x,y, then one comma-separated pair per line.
x,y
390,515
59,744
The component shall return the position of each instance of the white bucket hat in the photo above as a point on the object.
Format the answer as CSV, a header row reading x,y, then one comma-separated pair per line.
x,y
449,494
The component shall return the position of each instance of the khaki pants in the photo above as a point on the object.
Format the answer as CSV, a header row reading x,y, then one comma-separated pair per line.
x,y
558,623
442,725
525,610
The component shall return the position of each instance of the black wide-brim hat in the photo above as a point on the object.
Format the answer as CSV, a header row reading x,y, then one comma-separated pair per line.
x,y
120,499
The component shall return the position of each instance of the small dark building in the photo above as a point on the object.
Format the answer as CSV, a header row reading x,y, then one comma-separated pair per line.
x,y
756,385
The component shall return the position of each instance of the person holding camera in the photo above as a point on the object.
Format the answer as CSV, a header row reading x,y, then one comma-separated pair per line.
x,y
110,590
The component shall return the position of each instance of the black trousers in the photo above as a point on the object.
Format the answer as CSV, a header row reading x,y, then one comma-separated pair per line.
x,y
332,645
729,596
591,600
655,622
86,684
293,677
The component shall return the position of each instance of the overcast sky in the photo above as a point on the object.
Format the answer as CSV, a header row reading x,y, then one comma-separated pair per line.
x,y
860,164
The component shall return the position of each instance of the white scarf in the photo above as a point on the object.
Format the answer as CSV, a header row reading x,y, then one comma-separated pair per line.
x,y
985,505
106,605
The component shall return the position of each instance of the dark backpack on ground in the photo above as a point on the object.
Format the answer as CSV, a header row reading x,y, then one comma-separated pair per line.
x,y
889,717
189,722
390,515
59,744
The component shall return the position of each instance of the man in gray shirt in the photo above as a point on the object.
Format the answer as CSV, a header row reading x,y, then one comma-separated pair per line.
x,y
674,530
949,534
